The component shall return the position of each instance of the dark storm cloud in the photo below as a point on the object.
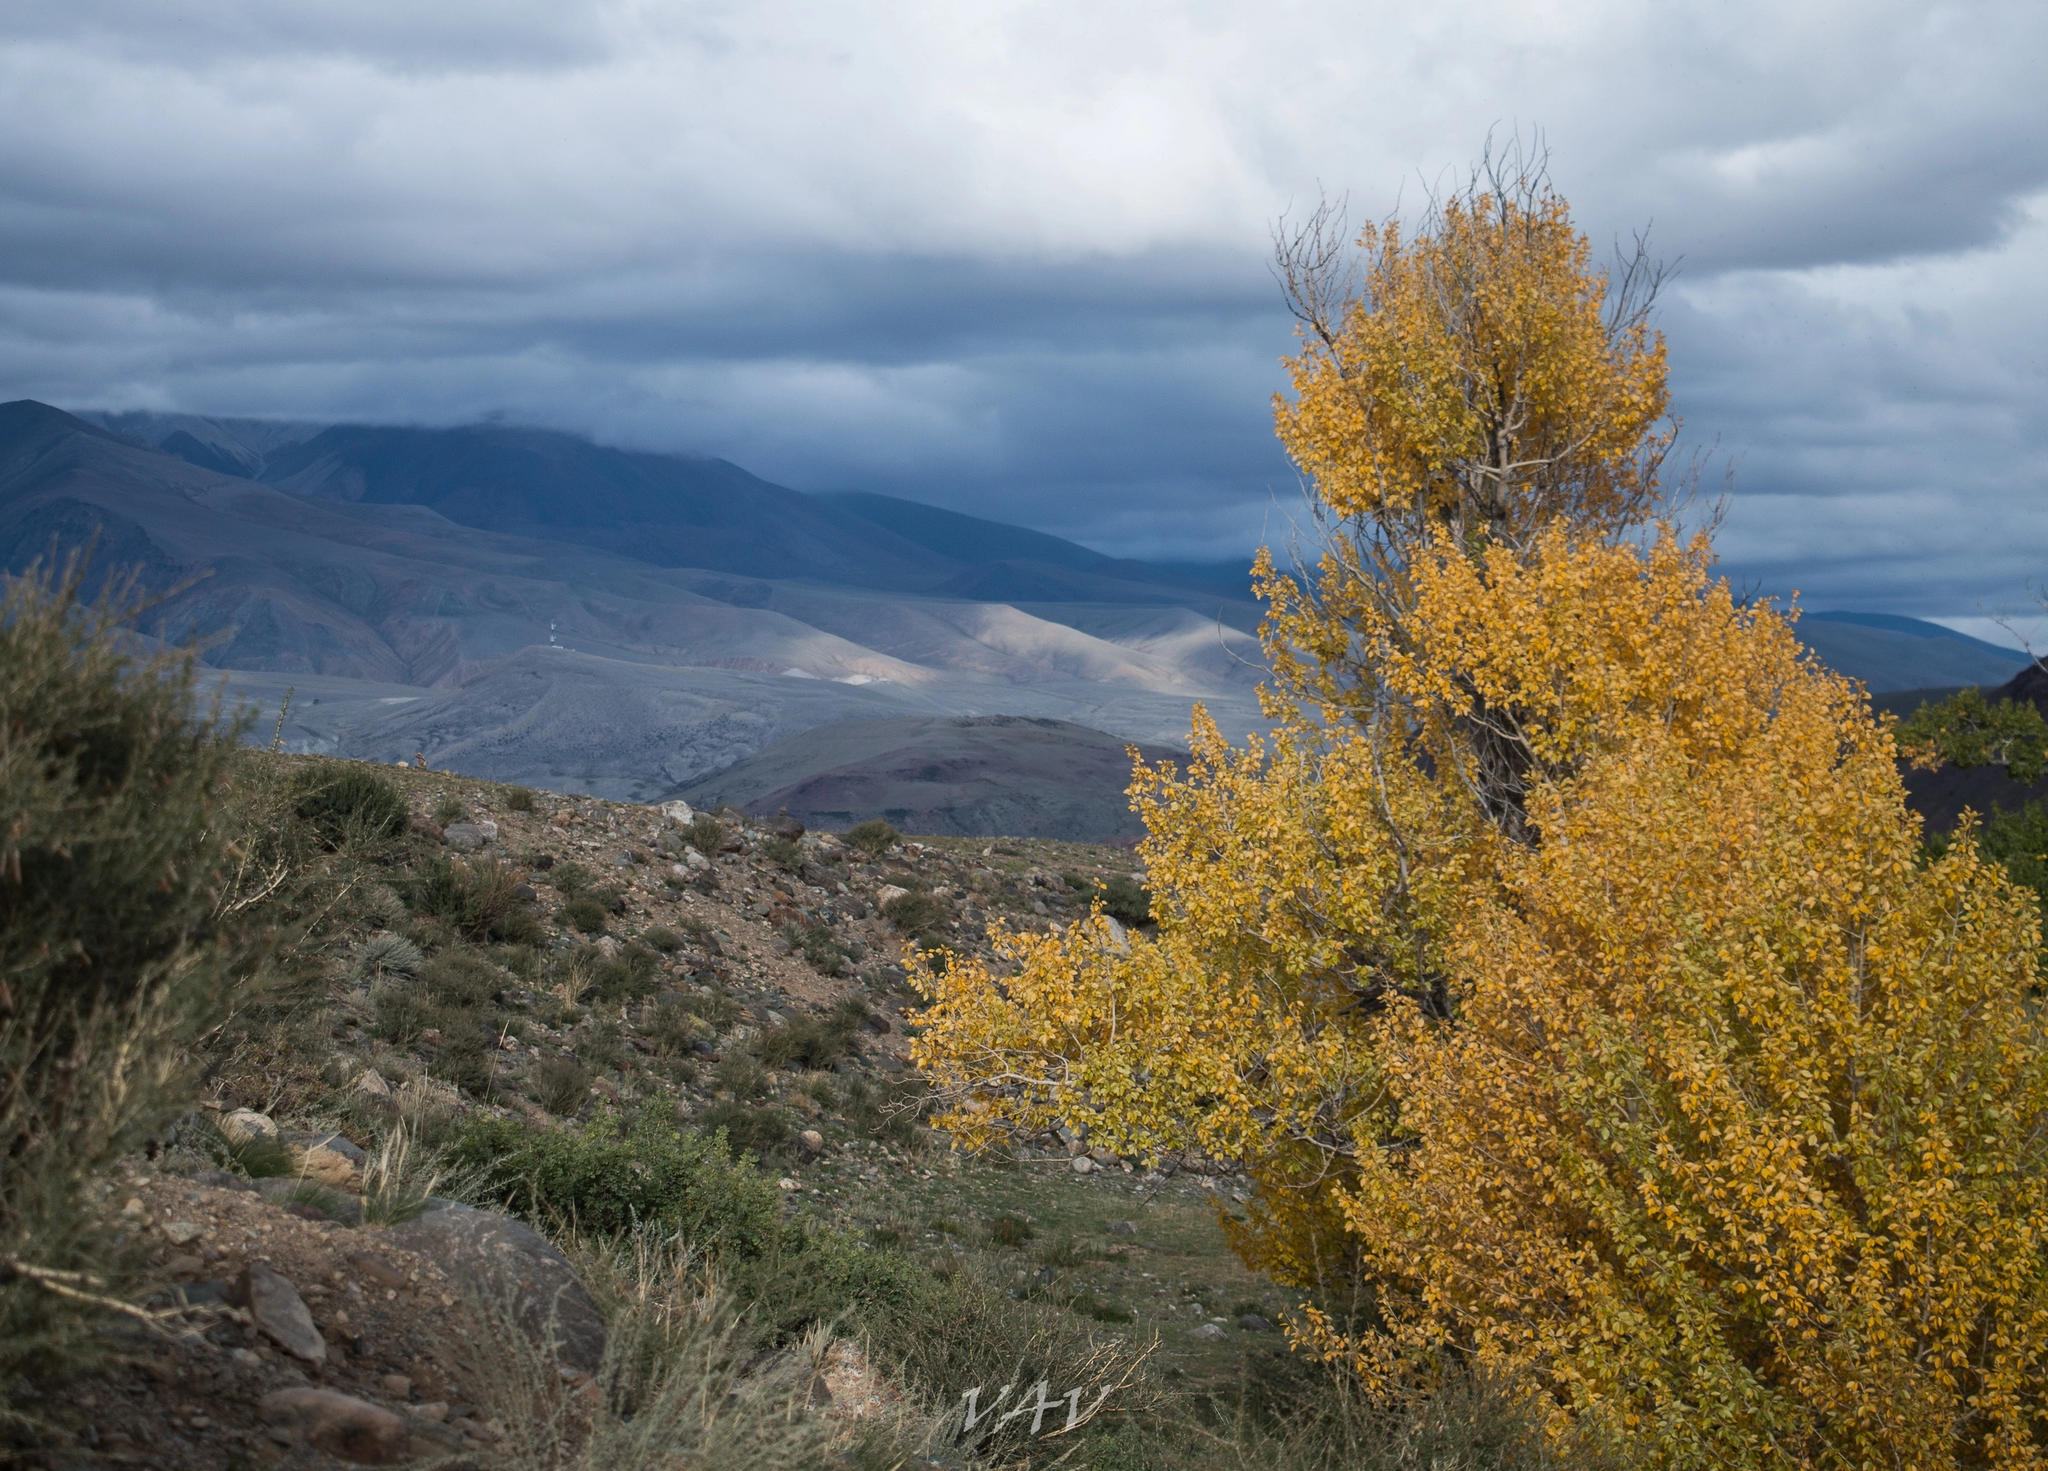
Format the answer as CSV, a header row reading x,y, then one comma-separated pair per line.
x,y
1012,257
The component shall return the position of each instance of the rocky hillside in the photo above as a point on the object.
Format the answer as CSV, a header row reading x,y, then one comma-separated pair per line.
x,y
413,1213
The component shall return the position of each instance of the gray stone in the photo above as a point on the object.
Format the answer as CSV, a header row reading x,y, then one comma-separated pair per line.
x,y
512,1270
1253,1323
1123,1228
811,1142
470,835
1083,1165
279,1313
339,1424
1208,1333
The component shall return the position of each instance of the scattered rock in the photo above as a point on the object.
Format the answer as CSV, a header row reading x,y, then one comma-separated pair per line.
x,y
278,1312
787,1183
1083,1165
329,1159
525,893
889,894
398,1386
1253,1323
678,813
1208,1333
470,835
811,1142
370,1081
245,1125
1123,1228
1103,1157
783,827
512,1269
182,1233
339,1424
875,1022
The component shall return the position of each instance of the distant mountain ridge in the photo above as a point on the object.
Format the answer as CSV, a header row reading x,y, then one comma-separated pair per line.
x,y
529,606
667,509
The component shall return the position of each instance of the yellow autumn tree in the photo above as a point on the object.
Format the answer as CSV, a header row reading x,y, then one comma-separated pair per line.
x,y
1563,967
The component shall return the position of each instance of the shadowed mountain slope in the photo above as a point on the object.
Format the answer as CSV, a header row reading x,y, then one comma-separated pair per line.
x,y
987,776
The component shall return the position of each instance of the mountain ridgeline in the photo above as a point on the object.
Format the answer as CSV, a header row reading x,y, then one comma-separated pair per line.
x,y
532,607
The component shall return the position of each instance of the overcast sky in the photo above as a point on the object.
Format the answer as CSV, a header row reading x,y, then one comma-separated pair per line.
x,y
1012,258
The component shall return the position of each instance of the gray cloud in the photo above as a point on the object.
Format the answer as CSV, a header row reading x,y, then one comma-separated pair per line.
x,y
1011,258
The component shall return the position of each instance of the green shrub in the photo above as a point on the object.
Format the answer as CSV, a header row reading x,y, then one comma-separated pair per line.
x,y
519,799
740,1073
705,835
823,950
468,1053
755,1131
586,915
560,1085
718,1009
402,1013
890,1112
627,977
919,915
663,939
606,1178
477,899
385,955
785,853
874,837
813,1274
810,1042
114,865
571,878
672,1029
459,977
449,809
346,802
1008,1230
1124,900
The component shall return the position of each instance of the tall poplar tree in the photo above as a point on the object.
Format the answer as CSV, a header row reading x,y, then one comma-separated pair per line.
x,y
1563,967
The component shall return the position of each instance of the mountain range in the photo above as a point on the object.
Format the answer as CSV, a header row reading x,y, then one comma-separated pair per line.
x,y
529,606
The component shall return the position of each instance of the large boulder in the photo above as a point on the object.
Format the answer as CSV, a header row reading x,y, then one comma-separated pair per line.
x,y
514,1272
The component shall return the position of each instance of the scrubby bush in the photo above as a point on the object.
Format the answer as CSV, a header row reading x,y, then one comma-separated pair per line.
x,y
740,1073
449,809
628,977
114,866
748,1130
479,899
384,955
814,1042
919,915
785,853
663,939
873,837
560,1084
347,802
607,1177
519,799
586,915
705,835
460,977
1122,898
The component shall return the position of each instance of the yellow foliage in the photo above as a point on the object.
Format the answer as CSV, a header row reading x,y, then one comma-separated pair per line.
x,y
1565,971
1481,382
